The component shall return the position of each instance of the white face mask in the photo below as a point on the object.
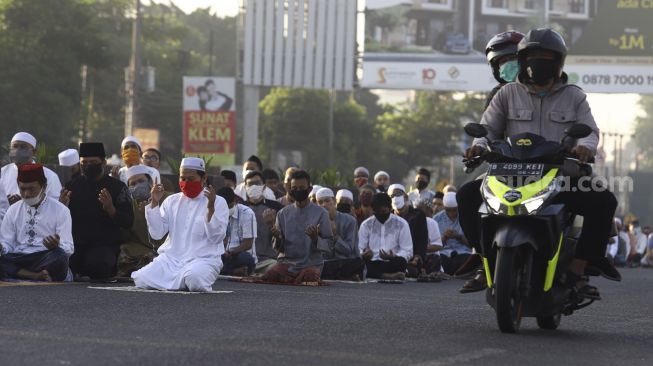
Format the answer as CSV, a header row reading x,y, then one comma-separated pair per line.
x,y
33,201
255,192
245,172
233,210
398,202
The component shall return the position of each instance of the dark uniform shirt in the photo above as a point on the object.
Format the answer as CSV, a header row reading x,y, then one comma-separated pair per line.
x,y
92,226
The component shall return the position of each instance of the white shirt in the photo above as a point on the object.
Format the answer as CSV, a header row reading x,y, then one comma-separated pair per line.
x,y
393,235
154,174
640,246
4,203
435,238
614,247
10,174
24,227
242,225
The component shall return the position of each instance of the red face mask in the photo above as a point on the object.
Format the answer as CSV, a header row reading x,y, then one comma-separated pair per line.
x,y
191,189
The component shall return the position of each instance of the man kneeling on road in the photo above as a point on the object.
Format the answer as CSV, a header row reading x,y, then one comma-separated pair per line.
x,y
196,222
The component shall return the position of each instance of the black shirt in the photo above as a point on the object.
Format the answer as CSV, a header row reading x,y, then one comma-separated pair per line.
x,y
418,230
92,226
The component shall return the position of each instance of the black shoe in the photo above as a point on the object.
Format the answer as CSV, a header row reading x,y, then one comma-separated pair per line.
x,y
604,268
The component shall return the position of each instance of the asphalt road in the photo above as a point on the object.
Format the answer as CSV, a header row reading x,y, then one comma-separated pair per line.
x,y
342,324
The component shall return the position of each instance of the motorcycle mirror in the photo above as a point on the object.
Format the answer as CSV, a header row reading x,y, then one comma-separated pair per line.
x,y
475,130
577,131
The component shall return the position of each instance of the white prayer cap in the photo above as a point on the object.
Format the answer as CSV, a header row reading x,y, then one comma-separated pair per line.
x,y
314,190
617,221
361,170
381,173
68,157
449,200
324,193
396,186
193,163
130,139
138,169
25,137
344,193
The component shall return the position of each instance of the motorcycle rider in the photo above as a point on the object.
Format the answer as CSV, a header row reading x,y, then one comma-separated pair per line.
x,y
542,102
501,53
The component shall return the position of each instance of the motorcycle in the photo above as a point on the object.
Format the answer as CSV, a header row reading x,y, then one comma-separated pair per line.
x,y
528,241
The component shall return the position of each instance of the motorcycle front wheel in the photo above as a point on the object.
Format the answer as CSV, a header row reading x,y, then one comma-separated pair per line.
x,y
508,302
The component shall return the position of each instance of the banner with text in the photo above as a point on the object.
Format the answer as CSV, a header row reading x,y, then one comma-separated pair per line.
x,y
209,126
440,45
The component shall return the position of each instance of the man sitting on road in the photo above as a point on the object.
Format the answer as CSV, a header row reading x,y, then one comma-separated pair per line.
x,y
302,233
239,258
36,233
456,249
385,242
265,212
343,261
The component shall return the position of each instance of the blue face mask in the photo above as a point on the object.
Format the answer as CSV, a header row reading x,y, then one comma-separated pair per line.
x,y
509,70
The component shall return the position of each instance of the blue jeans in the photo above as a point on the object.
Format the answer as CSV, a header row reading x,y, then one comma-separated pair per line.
x,y
242,259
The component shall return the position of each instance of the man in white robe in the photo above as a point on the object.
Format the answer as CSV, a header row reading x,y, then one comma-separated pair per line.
x,y
21,151
36,233
196,223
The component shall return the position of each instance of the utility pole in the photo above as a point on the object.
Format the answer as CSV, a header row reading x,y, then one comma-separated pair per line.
x,y
332,97
132,75
211,53
82,111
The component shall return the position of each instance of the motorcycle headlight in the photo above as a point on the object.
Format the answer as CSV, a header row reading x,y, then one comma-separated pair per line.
x,y
492,201
534,203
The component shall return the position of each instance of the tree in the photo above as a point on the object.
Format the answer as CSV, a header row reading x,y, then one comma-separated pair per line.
x,y
297,119
422,132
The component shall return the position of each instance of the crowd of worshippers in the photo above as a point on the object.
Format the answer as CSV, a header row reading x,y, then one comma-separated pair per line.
x,y
127,224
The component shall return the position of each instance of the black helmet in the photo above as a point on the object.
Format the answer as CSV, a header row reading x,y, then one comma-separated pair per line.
x,y
542,39
501,44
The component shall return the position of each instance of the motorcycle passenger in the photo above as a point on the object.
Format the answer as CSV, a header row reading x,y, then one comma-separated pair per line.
x,y
542,102
501,53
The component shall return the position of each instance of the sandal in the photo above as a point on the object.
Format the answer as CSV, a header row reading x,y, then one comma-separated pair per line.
x,y
581,286
478,283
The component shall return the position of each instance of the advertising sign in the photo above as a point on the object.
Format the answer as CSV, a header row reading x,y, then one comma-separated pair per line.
x,y
419,44
209,125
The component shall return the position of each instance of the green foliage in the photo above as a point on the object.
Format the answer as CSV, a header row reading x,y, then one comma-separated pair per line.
x,y
644,133
45,43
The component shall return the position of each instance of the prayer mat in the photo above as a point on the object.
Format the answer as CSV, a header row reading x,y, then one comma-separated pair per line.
x,y
10,282
260,281
136,289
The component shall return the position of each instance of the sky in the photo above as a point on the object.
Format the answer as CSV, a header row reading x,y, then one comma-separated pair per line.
x,y
222,8
612,112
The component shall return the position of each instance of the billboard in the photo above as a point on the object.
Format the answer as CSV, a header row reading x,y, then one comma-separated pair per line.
x,y
209,125
423,44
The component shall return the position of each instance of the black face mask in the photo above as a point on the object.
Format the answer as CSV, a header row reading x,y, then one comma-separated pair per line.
x,y
382,217
541,71
422,184
382,188
343,207
92,171
300,195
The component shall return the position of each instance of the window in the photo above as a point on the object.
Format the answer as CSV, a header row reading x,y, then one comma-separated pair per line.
x,y
502,4
577,6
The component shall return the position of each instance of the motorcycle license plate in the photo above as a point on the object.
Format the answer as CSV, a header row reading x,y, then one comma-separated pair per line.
x,y
516,169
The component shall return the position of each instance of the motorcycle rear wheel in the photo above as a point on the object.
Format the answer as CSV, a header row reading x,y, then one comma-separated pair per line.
x,y
550,322
508,302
